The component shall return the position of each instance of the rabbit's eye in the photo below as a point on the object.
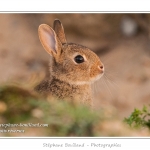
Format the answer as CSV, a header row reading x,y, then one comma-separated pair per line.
x,y
79,59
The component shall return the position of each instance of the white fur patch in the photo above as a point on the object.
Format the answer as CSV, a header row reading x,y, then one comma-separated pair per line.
x,y
87,82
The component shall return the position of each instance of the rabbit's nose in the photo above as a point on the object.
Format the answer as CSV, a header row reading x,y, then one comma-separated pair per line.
x,y
101,68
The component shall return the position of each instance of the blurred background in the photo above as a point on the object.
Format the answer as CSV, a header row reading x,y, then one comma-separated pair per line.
x,y
122,42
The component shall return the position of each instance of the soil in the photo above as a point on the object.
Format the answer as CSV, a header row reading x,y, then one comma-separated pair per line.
x,y
126,83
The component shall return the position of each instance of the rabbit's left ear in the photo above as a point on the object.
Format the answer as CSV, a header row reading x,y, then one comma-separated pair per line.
x,y
49,40
59,30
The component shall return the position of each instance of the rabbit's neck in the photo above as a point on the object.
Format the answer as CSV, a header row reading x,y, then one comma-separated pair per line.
x,y
65,91
66,85
62,90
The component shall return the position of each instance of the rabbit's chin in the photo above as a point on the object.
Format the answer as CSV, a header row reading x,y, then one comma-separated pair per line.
x,y
96,78
87,82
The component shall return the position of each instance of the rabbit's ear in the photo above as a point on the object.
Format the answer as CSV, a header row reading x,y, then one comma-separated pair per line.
x,y
58,27
49,40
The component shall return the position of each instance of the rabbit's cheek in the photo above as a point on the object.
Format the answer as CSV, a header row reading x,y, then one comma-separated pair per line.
x,y
93,72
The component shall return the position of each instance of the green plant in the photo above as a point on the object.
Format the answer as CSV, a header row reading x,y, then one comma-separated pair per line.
x,y
20,105
17,103
139,118
63,118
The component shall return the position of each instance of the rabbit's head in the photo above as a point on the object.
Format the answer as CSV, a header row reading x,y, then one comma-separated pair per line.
x,y
72,63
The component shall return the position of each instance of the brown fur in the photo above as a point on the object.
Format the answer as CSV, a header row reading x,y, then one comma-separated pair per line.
x,y
76,93
68,79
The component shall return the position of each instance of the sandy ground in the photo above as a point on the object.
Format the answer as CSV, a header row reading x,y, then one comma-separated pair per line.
x,y
126,59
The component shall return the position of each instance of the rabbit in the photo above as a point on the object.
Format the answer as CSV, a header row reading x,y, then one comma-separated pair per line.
x,y
73,67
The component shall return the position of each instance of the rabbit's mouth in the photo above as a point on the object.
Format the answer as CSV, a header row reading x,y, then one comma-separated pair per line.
x,y
97,77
